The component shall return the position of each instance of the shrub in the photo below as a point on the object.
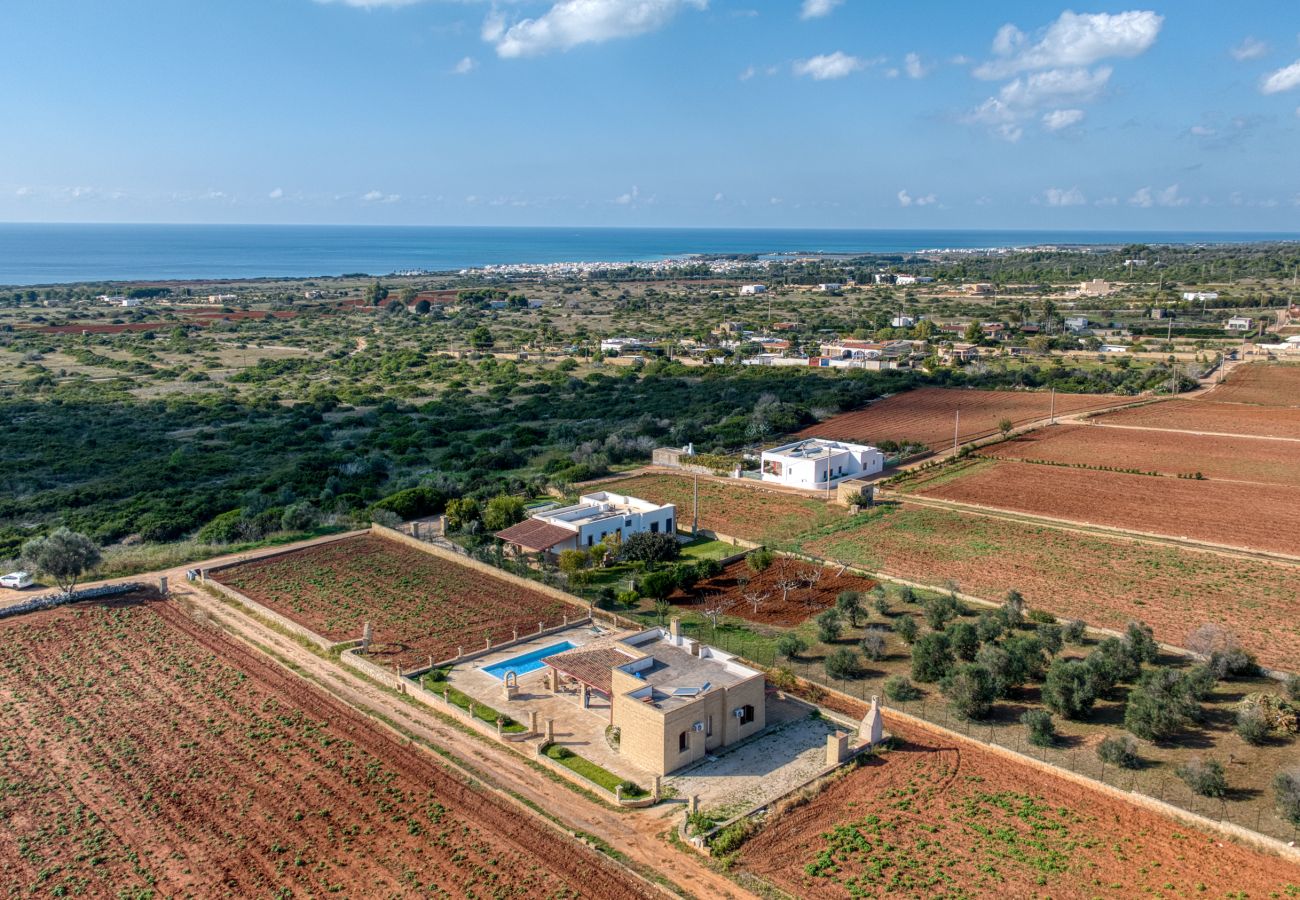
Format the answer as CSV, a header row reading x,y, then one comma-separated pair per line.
x,y
1070,689
708,568
1025,660
658,584
790,645
880,603
900,690
1204,777
1112,659
1120,750
1221,647
1073,631
1293,687
782,678
1049,635
559,753
1140,643
989,627
1041,617
964,640
759,560
1042,731
996,660
829,626
906,628
1160,704
849,605
940,611
970,691
223,529
1252,724
414,503
931,657
1233,663
1286,790
1013,609
651,548
842,663
904,594
874,644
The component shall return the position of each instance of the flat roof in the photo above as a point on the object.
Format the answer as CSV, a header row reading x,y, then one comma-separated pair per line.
x,y
677,676
811,448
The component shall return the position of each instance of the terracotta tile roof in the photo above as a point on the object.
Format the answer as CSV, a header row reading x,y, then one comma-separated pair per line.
x,y
534,534
591,667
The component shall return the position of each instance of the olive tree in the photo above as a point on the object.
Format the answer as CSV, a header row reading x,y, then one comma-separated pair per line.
x,y
63,555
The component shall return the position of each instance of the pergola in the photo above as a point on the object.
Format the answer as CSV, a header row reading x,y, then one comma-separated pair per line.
x,y
590,668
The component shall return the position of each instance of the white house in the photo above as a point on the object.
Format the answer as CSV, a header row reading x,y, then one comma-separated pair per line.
x,y
1200,296
746,289
902,322
819,465
1076,323
912,279
590,521
131,302
620,345
829,287
1240,323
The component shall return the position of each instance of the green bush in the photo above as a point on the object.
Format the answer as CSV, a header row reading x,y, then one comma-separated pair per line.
x,y
1120,750
874,644
829,626
931,657
900,690
1039,617
941,610
1141,643
650,548
841,663
790,645
1070,689
964,640
989,627
1049,635
1074,631
224,529
1286,791
970,691
1042,731
1161,704
759,560
414,503
1252,724
906,628
1204,777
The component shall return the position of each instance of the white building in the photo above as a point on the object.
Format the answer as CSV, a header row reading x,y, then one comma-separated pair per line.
x,y
590,521
131,302
112,299
1076,323
1240,323
621,345
912,279
222,298
746,289
902,322
1200,296
818,465
829,287
1135,263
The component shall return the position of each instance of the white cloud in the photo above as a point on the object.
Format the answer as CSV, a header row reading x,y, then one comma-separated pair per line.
x,y
1064,197
1023,98
1282,80
465,66
1073,40
1145,198
905,199
1058,119
914,67
1202,131
372,4
815,9
24,192
828,66
1107,201
629,198
747,73
1249,48
718,197
276,194
380,197
569,23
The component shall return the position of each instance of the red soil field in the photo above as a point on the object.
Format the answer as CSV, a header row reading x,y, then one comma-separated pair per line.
x,y
1227,458
927,415
105,329
144,753
419,604
1235,514
938,817
1107,582
1262,384
799,602
732,508
1207,416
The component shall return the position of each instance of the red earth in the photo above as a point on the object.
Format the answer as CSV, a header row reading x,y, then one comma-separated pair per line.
x,y
776,606
1262,384
1207,416
144,753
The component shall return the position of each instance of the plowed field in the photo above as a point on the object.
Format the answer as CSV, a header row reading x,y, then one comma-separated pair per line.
x,y
1227,458
1263,384
1251,516
740,588
1106,582
1206,416
733,509
937,819
420,605
144,754
929,415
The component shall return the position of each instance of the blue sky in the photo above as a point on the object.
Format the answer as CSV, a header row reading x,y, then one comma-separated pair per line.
x,y
855,113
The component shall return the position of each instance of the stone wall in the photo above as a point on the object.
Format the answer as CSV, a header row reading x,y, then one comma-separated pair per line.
x,y
280,620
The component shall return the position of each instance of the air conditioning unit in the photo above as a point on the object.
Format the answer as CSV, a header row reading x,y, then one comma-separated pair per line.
x,y
698,726
738,712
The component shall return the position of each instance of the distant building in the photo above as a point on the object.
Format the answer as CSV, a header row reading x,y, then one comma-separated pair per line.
x,y
902,322
978,289
1097,287
131,302
222,298
1200,296
590,521
962,353
112,299
912,279
829,287
621,345
1076,323
819,465
750,289
1240,323
884,278
1135,263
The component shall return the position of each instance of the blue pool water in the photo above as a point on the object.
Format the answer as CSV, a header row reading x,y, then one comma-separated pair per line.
x,y
525,662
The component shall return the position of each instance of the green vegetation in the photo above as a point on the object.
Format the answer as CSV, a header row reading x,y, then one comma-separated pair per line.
x,y
436,681
592,772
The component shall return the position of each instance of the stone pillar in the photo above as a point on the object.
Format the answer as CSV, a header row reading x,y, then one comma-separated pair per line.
x,y
446,696
487,642
532,721
837,748
499,726
654,788
674,628
564,620
367,635
516,637
460,651
692,804
584,695
618,792
550,731
539,628
162,585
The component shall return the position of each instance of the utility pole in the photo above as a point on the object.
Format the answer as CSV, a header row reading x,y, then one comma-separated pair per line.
x,y
956,429
695,515
1053,413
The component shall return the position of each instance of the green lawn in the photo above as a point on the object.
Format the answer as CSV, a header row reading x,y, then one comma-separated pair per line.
x,y
592,772
702,548
436,681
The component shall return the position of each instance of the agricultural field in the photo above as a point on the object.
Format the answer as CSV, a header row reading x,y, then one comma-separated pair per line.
x,y
1215,457
760,597
1250,516
1261,384
1209,417
928,415
420,605
731,508
145,754
930,818
1107,582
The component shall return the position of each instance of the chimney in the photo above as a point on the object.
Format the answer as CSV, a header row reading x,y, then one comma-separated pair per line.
x,y
675,628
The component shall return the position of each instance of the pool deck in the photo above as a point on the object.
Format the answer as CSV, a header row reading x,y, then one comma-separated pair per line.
x,y
581,730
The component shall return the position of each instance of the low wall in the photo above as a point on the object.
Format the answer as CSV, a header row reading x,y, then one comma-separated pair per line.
x,y
279,619
504,645
51,601
283,551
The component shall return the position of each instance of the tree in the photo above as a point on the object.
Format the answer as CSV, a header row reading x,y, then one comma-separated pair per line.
x,y
900,690
790,645
755,599
1286,790
407,294
658,584
841,663
940,611
1141,643
63,555
376,294
759,561
1204,777
1042,731
809,577
423,306
849,604
481,338
973,334
1049,635
829,626
997,661
906,628
1119,750
1005,426
462,512
931,657
651,548
1025,662
712,606
989,627
969,690
1013,609
575,564
1252,724
964,640
502,512
1160,704
1070,689
874,644
1073,631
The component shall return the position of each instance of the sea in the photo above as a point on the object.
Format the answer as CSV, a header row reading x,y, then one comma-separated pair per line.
x,y
35,254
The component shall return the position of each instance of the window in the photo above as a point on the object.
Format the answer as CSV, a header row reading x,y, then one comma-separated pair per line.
x,y
668,526
708,729
654,527
590,541
683,742
746,714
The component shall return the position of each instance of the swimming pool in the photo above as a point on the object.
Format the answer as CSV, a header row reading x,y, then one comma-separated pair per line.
x,y
525,662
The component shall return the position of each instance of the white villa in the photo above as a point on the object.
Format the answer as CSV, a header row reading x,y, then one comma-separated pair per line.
x,y
819,465
749,289
590,521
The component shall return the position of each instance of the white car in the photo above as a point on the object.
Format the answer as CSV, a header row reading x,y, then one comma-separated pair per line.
x,y
17,580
